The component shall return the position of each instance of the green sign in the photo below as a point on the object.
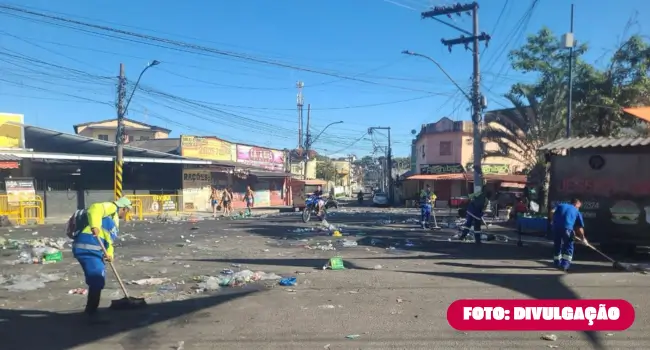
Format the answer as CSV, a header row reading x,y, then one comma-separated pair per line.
x,y
435,169
491,169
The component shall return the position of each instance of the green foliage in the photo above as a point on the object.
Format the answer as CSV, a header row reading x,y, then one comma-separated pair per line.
x,y
539,109
326,170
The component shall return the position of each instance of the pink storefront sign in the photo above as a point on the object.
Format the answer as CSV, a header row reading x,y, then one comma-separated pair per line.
x,y
261,157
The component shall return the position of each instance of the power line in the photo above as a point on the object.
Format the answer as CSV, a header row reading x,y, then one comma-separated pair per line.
x,y
193,48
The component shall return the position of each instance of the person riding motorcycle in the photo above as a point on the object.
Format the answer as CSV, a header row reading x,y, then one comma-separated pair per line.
x,y
318,193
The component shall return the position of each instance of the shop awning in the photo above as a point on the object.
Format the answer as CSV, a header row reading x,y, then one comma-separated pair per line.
x,y
521,179
642,113
100,158
268,174
8,161
439,177
311,182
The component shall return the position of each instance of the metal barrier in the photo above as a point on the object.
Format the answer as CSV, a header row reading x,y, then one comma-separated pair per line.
x,y
23,211
155,205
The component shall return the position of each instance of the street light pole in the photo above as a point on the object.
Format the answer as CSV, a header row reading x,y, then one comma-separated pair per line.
x,y
309,142
122,109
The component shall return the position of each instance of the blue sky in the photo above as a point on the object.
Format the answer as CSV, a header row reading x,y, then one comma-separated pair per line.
x,y
357,43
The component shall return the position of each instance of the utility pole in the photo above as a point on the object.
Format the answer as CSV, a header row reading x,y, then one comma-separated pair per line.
x,y
569,42
307,140
119,135
122,107
299,103
389,162
476,97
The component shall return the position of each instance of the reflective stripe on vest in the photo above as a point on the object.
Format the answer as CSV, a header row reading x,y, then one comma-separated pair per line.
x,y
87,246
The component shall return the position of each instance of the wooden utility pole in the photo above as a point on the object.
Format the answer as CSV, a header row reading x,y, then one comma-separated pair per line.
x,y
476,97
307,140
119,135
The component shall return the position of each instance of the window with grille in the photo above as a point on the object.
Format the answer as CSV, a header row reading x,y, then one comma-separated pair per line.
x,y
445,148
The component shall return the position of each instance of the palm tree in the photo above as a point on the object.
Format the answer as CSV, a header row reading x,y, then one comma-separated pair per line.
x,y
520,131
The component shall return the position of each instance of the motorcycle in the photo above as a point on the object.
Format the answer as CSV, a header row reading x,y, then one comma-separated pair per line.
x,y
311,208
331,203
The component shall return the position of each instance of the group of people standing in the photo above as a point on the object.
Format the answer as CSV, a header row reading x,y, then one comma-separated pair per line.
x,y
223,198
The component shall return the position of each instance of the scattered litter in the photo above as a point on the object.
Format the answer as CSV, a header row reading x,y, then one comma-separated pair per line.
x,y
180,345
211,283
549,337
23,283
326,307
78,291
399,300
167,288
150,281
335,263
236,279
346,243
288,282
39,255
352,336
377,267
144,259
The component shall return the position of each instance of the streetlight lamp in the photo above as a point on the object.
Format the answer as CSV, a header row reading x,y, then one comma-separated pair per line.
x,y
309,142
411,53
137,82
478,147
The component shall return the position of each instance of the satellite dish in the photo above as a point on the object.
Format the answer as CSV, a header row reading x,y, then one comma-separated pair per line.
x,y
413,132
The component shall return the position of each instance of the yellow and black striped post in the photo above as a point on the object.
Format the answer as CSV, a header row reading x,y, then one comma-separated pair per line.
x,y
118,178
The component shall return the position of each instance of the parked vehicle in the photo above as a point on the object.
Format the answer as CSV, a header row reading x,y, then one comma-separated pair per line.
x,y
332,203
380,199
311,208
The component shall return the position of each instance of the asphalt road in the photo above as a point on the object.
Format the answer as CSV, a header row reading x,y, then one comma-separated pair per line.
x,y
390,298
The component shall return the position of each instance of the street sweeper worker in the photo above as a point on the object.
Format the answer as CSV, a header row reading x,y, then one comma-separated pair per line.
x,y
567,224
116,210
91,257
475,208
427,200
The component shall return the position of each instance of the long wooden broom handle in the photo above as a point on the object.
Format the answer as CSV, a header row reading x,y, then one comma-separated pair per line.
x,y
117,275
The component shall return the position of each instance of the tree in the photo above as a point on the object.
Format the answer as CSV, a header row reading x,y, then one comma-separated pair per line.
x,y
623,83
326,170
538,115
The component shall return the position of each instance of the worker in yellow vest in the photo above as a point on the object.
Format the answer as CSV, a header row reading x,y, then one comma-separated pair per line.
x,y
427,202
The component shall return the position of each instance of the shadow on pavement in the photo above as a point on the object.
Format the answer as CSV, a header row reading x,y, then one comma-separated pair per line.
x,y
533,285
36,329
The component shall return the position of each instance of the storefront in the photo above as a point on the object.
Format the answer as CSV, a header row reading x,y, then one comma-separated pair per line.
x,y
452,181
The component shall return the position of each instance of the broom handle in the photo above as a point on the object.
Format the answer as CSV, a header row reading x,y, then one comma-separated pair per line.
x,y
117,275
477,218
596,250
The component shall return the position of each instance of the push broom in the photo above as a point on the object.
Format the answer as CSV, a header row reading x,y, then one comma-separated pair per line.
x,y
128,302
616,264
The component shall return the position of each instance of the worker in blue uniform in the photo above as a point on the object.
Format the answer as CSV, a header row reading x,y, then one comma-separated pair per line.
x,y
567,224
427,199
477,204
91,257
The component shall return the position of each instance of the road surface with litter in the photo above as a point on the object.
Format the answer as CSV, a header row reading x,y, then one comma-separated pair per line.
x,y
221,284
